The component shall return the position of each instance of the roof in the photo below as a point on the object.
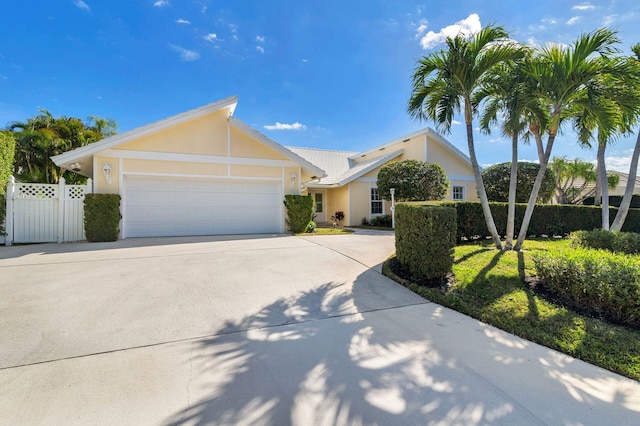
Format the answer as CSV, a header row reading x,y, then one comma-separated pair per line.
x,y
82,158
340,168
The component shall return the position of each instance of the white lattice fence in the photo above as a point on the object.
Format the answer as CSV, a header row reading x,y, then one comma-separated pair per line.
x,y
38,213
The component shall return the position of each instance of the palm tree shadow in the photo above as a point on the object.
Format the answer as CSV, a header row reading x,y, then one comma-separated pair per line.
x,y
288,366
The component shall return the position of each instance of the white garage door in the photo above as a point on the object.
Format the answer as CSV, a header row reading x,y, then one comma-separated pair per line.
x,y
158,206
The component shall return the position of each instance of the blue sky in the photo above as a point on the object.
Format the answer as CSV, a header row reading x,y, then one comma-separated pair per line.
x,y
328,74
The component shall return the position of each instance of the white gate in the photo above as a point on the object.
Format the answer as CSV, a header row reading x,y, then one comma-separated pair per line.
x,y
38,213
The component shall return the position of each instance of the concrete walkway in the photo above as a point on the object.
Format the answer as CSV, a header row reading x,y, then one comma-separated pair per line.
x,y
260,330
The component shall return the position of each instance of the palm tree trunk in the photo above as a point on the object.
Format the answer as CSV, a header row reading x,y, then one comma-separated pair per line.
x,y
534,192
604,186
511,208
482,193
628,192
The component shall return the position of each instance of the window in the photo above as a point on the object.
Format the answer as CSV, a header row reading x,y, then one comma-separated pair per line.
x,y
376,202
458,193
318,202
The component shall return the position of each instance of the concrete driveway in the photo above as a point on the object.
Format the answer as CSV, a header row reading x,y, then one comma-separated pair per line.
x,y
266,330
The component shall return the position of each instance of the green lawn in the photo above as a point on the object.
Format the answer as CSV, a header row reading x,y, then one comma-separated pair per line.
x,y
327,231
489,286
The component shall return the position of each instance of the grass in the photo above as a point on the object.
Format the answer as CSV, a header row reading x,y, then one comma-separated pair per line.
x,y
377,228
490,287
327,231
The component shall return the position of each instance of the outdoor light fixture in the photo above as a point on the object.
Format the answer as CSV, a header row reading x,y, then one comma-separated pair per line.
x,y
393,207
293,179
106,169
76,167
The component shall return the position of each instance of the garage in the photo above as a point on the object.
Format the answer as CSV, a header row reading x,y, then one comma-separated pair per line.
x,y
170,206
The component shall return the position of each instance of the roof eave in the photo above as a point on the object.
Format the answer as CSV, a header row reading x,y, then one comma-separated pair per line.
x,y
371,167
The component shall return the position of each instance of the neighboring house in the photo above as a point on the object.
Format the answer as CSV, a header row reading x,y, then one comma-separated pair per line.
x,y
204,172
589,189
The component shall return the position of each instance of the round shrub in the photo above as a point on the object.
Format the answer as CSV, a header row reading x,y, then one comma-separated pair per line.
x,y
497,177
413,181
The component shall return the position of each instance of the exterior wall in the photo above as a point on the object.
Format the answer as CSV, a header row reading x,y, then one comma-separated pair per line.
x,y
243,145
450,162
413,149
100,184
338,200
205,135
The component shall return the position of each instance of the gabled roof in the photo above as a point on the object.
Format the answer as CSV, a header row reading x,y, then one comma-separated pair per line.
x,y
84,154
339,167
315,170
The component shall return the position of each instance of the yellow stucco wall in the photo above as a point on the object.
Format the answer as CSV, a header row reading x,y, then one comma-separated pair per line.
x,y
450,162
256,171
338,200
291,187
205,135
174,167
243,145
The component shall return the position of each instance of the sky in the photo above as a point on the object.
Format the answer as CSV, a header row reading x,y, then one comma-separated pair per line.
x,y
324,74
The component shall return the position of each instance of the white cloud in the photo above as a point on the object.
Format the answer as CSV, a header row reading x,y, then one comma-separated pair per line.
x,y
260,49
284,126
211,37
186,55
305,60
260,39
619,162
82,5
234,31
183,21
583,6
574,20
161,3
550,21
609,19
421,27
456,122
468,26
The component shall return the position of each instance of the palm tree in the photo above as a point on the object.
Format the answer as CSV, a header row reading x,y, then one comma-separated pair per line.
x,y
507,102
447,80
565,74
633,169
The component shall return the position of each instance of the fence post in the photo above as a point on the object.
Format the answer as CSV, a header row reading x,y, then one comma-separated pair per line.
x,y
8,221
61,198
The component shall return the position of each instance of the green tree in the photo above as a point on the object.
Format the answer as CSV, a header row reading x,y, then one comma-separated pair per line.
x,y
566,78
497,180
7,153
623,210
447,81
573,179
412,180
43,136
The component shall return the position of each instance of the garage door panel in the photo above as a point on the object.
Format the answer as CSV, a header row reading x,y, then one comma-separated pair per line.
x,y
157,206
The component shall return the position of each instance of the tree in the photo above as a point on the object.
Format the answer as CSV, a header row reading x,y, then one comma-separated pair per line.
x,y
7,153
43,136
567,77
447,81
633,169
497,180
413,180
573,179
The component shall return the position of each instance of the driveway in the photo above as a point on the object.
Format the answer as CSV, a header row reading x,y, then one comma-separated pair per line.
x,y
266,330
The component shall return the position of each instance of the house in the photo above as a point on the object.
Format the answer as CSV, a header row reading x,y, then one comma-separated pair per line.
x,y
204,172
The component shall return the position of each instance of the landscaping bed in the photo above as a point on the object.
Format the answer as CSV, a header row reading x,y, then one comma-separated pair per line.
x,y
495,287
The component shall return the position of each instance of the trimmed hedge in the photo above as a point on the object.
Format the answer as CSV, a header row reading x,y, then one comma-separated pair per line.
x,y
102,217
425,238
547,219
615,201
620,242
600,282
299,212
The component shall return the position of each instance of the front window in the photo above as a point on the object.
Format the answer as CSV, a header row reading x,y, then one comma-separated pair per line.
x,y
318,202
458,193
376,202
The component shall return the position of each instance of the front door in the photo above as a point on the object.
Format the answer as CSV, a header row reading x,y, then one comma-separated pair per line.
x,y
319,205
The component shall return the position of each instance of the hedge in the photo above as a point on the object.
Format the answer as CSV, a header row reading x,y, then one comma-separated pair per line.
x,y
620,242
425,238
615,201
598,281
547,219
299,212
101,217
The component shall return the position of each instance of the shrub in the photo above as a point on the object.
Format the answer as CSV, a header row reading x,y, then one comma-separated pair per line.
x,y
547,219
425,238
102,217
311,227
601,282
338,217
384,221
364,222
299,212
413,180
621,242
615,201
497,177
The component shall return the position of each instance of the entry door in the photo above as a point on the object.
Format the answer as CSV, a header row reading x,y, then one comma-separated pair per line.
x,y
319,205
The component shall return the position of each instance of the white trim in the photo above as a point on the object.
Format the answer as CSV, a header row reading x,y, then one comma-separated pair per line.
x,y
228,147
191,176
349,204
462,178
371,213
95,172
148,129
367,180
375,163
123,199
194,158
464,192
